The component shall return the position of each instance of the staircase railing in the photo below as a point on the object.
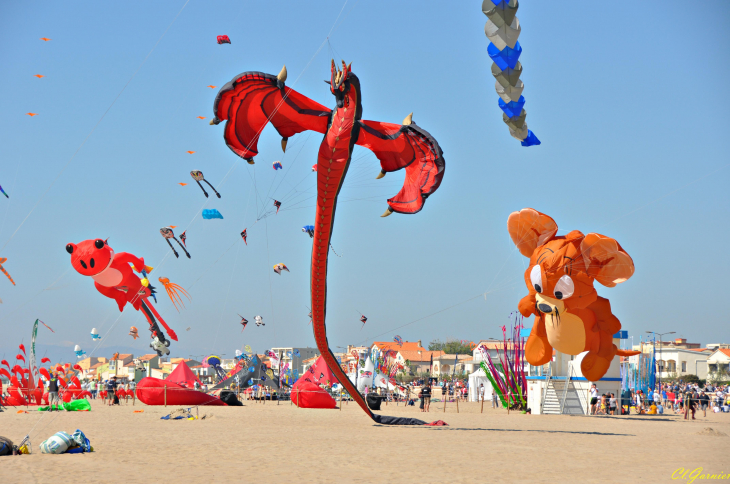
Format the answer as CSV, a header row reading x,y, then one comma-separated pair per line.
x,y
547,384
567,383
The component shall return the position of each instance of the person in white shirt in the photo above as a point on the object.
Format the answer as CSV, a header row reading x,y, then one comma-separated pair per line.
x,y
594,398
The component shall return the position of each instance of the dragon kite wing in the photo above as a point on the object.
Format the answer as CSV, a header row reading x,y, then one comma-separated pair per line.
x,y
410,147
253,99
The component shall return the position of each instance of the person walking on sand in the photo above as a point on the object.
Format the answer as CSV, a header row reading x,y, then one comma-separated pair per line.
x,y
53,390
111,390
704,403
132,393
495,399
426,396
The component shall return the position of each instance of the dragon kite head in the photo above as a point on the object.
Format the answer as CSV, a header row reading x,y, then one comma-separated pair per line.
x,y
90,257
341,81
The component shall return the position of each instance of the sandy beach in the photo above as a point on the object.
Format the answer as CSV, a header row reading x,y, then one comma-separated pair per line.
x,y
283,442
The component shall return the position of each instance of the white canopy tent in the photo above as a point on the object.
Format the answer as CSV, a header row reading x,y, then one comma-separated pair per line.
x,y
479,378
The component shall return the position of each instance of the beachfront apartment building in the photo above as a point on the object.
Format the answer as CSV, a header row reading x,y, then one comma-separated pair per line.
x,y
673,361
680,343
718,364
718,346
448,365
418,361
392,345
149,362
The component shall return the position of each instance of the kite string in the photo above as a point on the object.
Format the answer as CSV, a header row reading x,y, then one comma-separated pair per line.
x,y
296,157
7,209
94,128
37,294
667,194
228,292
271,291
286,95
528,233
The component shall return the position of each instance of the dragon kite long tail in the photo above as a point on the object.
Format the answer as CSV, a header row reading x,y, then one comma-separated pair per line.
x,y
253,99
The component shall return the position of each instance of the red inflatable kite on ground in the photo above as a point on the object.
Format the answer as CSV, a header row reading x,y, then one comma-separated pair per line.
x,y
570,316
253,99
306,394
176,389
113,277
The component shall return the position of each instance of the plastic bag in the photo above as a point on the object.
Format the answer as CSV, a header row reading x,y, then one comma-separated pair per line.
x,y
58,443
80,439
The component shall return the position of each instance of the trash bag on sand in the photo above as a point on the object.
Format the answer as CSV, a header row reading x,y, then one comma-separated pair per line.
x,y
61,442
6,446
58,443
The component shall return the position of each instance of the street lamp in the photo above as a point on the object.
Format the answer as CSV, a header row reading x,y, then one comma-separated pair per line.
x,y
660,352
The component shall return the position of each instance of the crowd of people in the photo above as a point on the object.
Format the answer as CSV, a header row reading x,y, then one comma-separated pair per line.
x,y
108,390
424,390
677,397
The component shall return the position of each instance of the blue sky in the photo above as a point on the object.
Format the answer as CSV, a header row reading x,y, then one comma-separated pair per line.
x,y
631,107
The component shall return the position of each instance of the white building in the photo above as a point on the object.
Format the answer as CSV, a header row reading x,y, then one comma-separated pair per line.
x,y
718,364
673,362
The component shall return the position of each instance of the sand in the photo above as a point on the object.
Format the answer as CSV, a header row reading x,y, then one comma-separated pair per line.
x,y
282,443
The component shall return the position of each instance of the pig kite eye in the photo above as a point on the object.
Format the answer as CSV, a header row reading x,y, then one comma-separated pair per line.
x,y
564,287
98,243
536,278
70,248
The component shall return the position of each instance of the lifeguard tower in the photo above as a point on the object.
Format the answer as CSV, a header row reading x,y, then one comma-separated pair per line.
x,y
559,387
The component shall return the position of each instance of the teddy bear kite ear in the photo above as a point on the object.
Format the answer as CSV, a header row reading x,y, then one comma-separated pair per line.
x,y
606,260
530,229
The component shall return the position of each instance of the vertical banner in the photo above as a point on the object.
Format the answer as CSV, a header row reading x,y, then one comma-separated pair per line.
x,y
35,375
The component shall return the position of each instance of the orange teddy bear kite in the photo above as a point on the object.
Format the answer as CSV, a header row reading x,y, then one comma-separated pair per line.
x,y
569,314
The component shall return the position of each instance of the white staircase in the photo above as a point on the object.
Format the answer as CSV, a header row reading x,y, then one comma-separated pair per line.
x,y
560,395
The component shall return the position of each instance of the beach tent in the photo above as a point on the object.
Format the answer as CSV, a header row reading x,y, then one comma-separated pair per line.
x,y
365,375
306,394
320,374
183,376
380,381
475,379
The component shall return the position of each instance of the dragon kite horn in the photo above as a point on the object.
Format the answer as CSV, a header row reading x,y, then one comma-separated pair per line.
x,y
282,75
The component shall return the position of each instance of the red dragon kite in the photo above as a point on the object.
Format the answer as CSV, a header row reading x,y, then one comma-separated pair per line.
x,y
253,99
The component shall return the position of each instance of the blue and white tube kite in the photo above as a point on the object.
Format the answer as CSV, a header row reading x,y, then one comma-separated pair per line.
x,y
502,30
